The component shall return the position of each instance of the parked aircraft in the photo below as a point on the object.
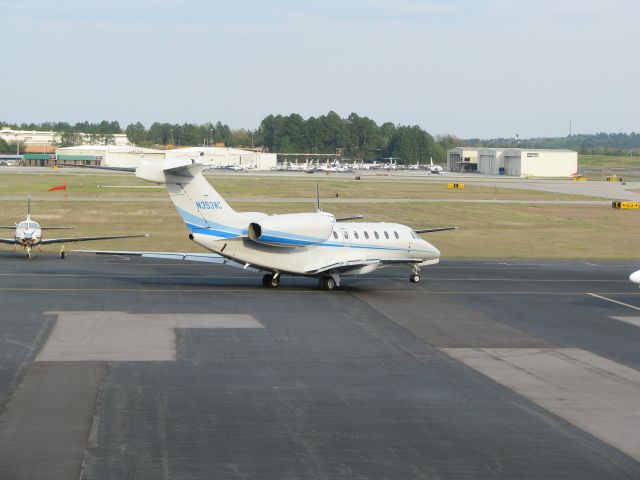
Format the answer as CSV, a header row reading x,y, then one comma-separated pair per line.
x,y
28,234
434,168
299,244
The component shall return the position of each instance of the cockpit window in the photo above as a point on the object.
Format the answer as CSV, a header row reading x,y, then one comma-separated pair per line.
x,y
22,225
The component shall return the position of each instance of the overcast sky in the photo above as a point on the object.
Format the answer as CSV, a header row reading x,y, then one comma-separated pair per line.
x,y
481,68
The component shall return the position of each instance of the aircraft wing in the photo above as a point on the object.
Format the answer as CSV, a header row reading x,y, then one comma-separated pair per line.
x,y
10,241
352,264
10,227
429,230
346,219
49,241
193,257
183,256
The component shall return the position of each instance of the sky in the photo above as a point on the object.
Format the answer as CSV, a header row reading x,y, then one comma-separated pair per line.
x,y
475,69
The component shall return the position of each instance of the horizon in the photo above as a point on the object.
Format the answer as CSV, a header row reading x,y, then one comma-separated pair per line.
x,y
485,69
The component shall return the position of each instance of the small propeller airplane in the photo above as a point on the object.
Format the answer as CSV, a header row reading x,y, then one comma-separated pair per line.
x,y
298,244
28,234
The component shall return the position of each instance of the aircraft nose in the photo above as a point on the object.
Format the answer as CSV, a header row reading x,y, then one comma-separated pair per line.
x,y
433,251
635,277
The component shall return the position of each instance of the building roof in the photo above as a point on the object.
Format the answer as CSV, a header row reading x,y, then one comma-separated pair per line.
x,y
110,148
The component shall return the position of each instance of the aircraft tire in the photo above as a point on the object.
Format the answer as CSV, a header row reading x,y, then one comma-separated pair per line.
x,y
62,255
274,281
414,278
328,283
266,279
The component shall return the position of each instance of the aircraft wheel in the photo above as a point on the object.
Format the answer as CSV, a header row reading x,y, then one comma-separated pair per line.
x,y
274,281
328,283
414,278
271,281
62,255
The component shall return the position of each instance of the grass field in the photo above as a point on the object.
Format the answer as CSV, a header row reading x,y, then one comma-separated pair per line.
x,y
608,161
246,186
486,230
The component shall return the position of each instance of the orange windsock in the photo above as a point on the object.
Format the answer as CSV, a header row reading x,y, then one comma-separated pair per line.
x,y
58,187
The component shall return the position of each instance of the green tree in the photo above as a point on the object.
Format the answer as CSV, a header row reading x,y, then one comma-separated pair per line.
x,y
136,133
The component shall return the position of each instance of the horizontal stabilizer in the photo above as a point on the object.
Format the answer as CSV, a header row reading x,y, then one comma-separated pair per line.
x,y
98,167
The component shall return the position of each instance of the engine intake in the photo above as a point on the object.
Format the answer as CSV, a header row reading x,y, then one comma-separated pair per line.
x,y
291,230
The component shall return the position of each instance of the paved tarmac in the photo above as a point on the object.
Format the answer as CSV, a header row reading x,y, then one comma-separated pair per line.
x,y
137,368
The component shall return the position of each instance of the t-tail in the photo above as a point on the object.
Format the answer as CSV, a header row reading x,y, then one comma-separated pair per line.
x,y
201,207
29,208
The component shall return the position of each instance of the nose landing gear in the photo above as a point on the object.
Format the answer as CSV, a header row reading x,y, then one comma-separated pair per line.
x,y
415,274
271,280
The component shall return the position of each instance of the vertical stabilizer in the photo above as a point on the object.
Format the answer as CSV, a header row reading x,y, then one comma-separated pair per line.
x,y
201,207
29,208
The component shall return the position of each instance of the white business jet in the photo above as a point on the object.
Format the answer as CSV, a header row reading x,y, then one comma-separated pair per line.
x,y
434,168
299,244
28,234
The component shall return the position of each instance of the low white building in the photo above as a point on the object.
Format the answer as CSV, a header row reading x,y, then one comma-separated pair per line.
x,y
520,162
491,161
462,159
108,155
517,162
48,138
226,157
132,156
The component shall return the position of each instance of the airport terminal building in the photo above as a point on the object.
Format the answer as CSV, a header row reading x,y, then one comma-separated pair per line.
x,y
517,162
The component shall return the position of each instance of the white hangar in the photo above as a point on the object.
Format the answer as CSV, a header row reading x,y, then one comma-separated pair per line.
x,y
517,162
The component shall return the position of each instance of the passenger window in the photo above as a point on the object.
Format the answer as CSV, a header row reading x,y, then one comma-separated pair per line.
x,y
355,234
386,235
376,234
345,234
335,234
396,234
366,235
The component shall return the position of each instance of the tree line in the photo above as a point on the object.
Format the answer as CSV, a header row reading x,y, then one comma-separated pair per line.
x,y
354,136
589,144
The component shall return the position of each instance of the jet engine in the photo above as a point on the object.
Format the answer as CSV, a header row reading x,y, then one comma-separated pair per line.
x,y
291,230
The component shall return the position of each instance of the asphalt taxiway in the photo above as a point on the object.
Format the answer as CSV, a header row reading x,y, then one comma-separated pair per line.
x,y
114,367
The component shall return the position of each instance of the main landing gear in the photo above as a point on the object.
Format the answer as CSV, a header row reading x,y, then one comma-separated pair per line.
x,y
329,283
415,274
62,254
271,280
